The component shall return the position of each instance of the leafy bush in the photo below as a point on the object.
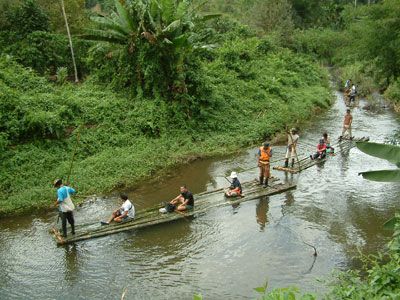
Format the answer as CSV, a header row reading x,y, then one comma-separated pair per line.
x,y
393,92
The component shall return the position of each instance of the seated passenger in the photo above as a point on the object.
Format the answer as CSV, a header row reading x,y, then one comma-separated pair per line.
x,y
236,188
125,213
321,150
327,141
184,201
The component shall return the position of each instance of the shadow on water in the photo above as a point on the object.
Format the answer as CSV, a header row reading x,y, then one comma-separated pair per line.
x,y
226,251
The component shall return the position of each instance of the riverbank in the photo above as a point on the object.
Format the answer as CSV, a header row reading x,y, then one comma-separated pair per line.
x,y
120,141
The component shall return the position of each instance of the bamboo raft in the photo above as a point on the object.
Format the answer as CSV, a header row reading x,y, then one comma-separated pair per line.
x,y
151,216
306,162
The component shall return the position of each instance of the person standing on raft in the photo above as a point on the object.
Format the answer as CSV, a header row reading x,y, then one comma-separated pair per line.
x,y
65,205
264,154
293,139
236,188
348,120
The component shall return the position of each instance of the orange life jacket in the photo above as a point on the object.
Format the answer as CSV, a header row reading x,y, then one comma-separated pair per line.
x,y
265,154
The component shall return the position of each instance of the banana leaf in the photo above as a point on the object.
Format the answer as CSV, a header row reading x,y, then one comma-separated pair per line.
x,y
389,152
391,223
382,175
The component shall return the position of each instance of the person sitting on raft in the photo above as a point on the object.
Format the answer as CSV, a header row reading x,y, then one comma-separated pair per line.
x,y
125,213
184,201
321,151
327,141
236,188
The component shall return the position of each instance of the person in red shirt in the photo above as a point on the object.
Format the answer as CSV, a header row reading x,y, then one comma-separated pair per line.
x,y
321,150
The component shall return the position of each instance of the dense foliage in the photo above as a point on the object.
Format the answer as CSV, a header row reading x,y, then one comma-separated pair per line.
x,y
251,78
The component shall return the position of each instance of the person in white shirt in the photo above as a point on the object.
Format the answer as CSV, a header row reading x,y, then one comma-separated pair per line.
x,y
125,213
293,139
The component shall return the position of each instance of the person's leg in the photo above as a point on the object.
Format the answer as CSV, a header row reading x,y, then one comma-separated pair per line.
x,y
287,157
71,221
349,130
344,131
113,216
181,207
64,223
266,174
261,167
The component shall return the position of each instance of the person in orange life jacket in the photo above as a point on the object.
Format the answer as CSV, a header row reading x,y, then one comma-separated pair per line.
x,y
321,150
293,139
264,154
236,188
65,213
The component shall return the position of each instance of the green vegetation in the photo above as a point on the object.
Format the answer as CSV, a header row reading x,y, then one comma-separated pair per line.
x,y
197,101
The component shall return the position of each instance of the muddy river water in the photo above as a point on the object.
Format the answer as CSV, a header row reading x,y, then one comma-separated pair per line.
x,y
226,252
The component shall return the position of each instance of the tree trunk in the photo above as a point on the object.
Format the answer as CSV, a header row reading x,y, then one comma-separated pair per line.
x,y
70,40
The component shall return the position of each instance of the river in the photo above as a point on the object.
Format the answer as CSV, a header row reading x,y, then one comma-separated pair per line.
x,y
226,252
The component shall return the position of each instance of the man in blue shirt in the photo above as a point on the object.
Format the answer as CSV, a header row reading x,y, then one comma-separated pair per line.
x,y
65,205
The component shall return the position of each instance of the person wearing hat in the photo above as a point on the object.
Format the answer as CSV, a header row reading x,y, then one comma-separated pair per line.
x,y
65,205
236,188
264,154
348,120
321,150
293,139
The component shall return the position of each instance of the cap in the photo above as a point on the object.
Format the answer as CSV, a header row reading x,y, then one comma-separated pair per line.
x,y
233,175
266,144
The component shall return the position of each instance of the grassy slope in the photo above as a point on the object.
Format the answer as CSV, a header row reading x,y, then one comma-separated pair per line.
x,y
257,92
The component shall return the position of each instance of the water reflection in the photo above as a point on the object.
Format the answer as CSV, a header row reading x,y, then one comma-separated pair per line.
x,y
261,212
71,261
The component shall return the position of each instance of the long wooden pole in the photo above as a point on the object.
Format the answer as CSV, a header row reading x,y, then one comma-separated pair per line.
x,y
70,41
73,154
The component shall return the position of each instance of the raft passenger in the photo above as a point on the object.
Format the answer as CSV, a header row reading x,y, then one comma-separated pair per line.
x,y
236,188
264,154
327,141
348,120
184,201
65,205
321,150
125,213
293,139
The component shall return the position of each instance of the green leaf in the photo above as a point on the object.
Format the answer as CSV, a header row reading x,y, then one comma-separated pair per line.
x,y
384,151
391,223
382,175
197,297
260,289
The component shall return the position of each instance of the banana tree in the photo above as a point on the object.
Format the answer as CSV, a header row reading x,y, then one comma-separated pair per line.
x,y
159,36
392,154
389,152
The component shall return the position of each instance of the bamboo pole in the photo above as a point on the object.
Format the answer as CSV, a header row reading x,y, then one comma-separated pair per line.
x,y
70,41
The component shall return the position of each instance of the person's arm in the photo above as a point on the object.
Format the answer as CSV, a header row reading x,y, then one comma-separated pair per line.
x,y
71,190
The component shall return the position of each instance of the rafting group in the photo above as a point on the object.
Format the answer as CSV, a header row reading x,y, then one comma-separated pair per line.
x,y
184,201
